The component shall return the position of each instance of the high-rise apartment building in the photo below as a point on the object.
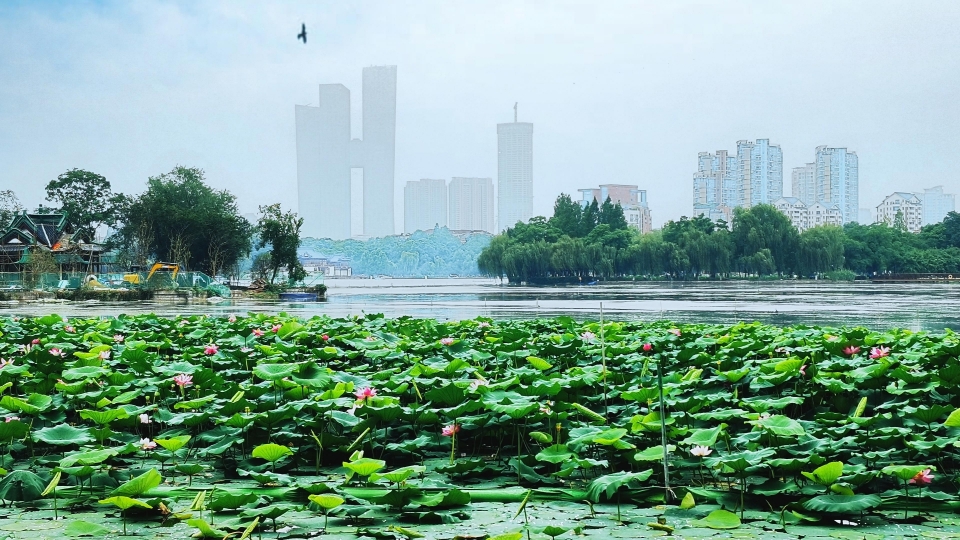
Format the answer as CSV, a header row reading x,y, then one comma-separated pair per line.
x,y
722,182
803,185
514,173
326,154
424,205
936,204
633,200
470,204
838,181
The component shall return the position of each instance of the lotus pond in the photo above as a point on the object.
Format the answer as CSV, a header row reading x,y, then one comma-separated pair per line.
x,y
369,427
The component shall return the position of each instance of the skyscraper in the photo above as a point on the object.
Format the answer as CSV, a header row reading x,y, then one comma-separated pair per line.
x,y
837,181
804,183
424,205
470,204
514,172
760,178
325,155
715,190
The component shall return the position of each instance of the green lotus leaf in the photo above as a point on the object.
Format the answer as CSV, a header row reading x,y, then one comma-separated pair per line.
x,y
34,404
174,443
13,429
718,519
365,466
139,485
398,475
194,403
288,329
610,436
842,504
76,528
205,530
448,394
226,500
272,452
326,501
827,474
782,426
103,417
557,453
83,373
952,421
275,372
609,484
541,437
92,457
905,472
123,503
705,437
21,485
539,363
553,531
444,499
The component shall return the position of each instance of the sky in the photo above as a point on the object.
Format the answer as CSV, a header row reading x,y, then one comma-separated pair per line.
x,y
618,92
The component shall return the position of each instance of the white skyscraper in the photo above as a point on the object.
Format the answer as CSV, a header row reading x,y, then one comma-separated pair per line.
x,y
936,204
804,183
760,177
837,181
514,173
424,205
470,204
325,155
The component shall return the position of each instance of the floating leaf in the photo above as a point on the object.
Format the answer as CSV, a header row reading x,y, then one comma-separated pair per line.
x,y
718,519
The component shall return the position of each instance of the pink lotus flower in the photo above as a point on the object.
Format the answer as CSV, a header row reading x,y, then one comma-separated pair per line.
x,y
477,383
851,350
369,338
210,349
803,370
118,338
275,328
232,319
879,352
325,337
484,324
922,477
701,451
12,418
447,341
588,336
245,350
674,331
69,329
36,341
104,355
545,409
257,332
57,352
145,419
147,444
365,392
647,347
183,380
449,431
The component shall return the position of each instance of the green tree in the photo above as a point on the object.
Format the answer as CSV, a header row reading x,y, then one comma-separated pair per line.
x,y
281,231
612,215
86,198
590,218
821,250
181,219
566,216
9,207
899,223
764,227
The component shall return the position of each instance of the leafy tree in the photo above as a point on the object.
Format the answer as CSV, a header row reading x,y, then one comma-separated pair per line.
x,y
86,198
899,223
181,219
821,250
566,216
764,227
590,218
9,207
281,231
611,215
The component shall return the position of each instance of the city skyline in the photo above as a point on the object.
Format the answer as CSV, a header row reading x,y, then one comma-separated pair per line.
x,y
617,94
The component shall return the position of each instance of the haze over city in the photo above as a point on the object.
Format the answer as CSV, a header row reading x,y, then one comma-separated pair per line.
x,y
621,93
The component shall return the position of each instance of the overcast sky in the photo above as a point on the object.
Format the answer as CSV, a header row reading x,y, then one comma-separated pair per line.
x,y
618,92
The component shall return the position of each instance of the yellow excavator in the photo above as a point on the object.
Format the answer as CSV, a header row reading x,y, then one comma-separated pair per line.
x,y
173,268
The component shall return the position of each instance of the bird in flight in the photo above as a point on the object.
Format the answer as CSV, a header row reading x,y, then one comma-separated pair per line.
x,y
303,33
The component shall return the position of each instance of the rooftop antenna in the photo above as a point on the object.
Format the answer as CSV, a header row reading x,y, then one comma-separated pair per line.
x,y
514,112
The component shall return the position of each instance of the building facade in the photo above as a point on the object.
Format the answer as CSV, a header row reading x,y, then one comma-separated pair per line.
x,y
424,205
631,198
804,216
326,154
907,204
803,183
470,204
723,182
837,181
715,191
514,173
936,204
760,175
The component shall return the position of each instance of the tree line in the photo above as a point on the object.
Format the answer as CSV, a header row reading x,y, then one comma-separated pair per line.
x,y
178,218
594,242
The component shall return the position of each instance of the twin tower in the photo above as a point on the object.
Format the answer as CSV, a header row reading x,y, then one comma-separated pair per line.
x,y
326,154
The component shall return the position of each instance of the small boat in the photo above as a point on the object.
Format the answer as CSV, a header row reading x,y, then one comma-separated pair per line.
x,y
298,296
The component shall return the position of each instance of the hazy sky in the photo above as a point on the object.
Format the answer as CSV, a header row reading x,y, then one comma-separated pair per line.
x,y
619,92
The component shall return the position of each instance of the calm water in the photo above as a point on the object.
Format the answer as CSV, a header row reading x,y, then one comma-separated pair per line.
x,y
927,307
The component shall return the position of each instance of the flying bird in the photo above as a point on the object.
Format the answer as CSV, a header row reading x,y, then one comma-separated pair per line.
x,y
303,33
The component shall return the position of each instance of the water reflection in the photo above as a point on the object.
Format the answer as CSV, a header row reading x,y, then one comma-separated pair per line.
x,y
927,307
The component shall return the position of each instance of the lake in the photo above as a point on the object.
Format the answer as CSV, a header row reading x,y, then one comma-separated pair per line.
x,y
918,307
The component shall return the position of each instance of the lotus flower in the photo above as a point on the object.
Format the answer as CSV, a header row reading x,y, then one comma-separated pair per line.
x,y
851,350
257,332
588,336
5,363
647,347
210,349
69,329
803,370
275,328
104,355
484,324
879,352
447,341
369,338
232,319
183,380
145,419
13,418
325,337
36,341
365,392
922,477
118,338
245,350
57,352
545,409
449,431
477,383
674,331
147,444
701,451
